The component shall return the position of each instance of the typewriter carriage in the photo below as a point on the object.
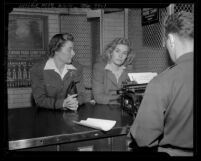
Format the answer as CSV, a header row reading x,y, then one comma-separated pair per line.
x,y
131,95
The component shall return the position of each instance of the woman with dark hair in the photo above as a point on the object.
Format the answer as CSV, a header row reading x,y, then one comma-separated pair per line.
x,y
50,79
111,70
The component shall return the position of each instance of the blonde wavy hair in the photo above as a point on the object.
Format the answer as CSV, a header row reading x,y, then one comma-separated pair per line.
x,y
106,56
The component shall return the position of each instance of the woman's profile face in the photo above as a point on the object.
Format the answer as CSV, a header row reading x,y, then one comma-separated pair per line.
x,y
66,52
119,54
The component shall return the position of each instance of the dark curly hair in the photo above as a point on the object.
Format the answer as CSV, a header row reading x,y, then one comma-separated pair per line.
x,y
57,41
181,23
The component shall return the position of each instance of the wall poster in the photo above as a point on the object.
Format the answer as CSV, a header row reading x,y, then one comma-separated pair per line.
x,y
27,43
26,32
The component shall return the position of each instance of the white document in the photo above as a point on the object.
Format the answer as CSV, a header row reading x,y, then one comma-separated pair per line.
x,y
100,124
141,78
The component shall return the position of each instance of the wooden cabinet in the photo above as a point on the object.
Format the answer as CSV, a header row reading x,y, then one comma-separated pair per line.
x,y
42,148
89,145
118,143
47,130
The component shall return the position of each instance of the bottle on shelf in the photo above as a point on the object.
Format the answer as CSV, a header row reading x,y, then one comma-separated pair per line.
x,y
14,76
19,75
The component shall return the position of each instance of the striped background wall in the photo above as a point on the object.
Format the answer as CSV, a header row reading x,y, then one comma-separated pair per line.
x,y
113,26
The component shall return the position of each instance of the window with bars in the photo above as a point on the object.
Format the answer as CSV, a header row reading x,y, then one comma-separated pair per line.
x,y
153,34
189,7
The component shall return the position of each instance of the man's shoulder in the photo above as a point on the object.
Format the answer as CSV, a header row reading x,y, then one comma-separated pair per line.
x,y
167,74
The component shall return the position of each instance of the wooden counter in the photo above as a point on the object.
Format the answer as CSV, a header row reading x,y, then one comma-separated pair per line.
x,y
43,129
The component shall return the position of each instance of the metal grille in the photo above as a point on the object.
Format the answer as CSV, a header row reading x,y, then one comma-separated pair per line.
x,y
80,28
151,55
189,7
153,34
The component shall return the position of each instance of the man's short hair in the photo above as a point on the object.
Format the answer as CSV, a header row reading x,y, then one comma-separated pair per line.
x,y
180,23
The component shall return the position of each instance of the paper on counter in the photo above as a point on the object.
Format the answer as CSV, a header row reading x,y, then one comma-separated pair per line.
x,y
141,78
100,124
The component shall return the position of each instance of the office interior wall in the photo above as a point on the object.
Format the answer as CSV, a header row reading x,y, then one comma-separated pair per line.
x,y
80,28
189,7
113,26
151,55
21,97
87,36
95,38
147,41
147,58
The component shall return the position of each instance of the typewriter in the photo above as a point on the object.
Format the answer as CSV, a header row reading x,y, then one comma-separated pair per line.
x,y
131,95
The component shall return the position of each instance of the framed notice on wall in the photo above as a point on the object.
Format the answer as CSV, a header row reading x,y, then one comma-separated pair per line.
x,y
150,16
27,32
27,44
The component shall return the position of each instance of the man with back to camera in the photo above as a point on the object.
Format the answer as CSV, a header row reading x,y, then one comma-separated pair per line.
x,y
165,116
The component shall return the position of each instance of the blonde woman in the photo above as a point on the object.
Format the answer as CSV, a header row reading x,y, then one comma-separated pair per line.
x,y
111,70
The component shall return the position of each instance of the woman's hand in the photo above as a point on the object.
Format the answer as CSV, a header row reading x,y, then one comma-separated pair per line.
x,y
71,102
115,97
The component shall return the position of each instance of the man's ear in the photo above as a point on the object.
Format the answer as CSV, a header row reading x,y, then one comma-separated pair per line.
x,y
172,39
